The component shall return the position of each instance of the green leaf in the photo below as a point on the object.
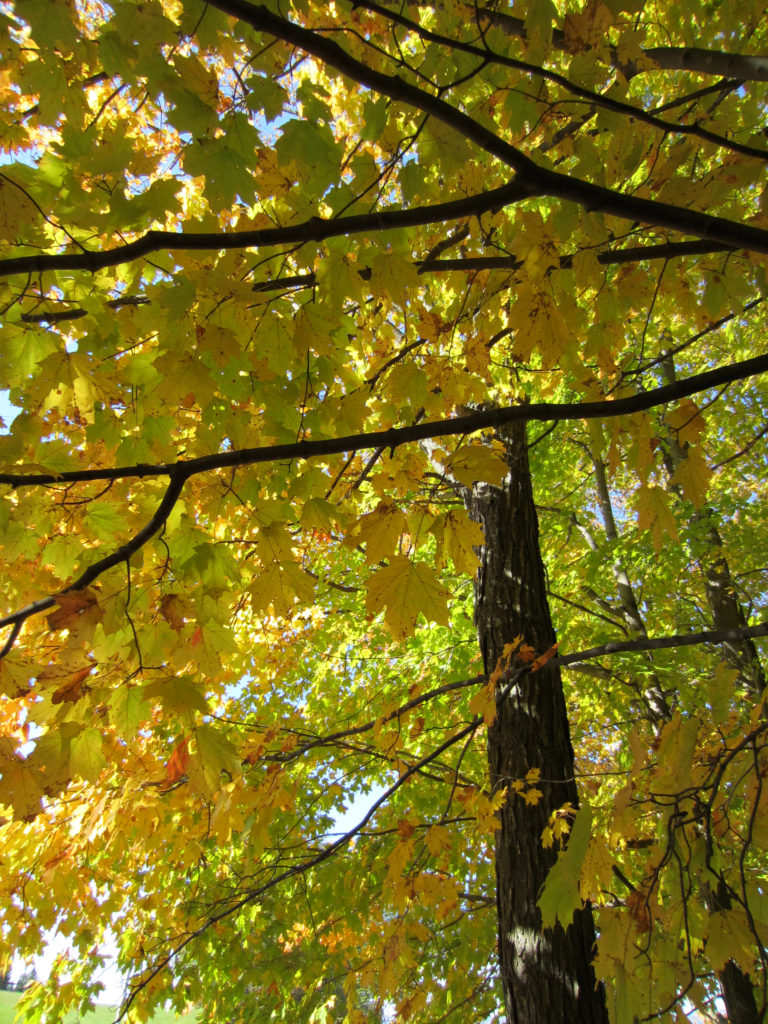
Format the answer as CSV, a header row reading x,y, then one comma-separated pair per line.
x,y
87,754
560,896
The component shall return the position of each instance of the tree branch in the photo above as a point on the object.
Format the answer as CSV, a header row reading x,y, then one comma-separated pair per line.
x,y
489,56
650,643
538,180
316,229
182,470
396,436
101,565
666,58
430,265
298,869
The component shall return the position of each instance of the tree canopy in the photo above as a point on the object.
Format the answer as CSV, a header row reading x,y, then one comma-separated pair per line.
x,y
297,298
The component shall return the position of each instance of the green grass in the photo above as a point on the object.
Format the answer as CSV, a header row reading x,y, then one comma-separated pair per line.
x,y
101,1014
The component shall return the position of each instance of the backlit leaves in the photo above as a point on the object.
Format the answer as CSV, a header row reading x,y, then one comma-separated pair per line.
x,y
404,590
296,635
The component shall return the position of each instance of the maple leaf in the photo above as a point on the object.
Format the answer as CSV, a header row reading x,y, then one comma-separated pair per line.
x,y
21,787
477,462
406,589
458,537
692,475
77,608
587,29
560,896
379,530
686,421
654,514
17,210
252,268
177,762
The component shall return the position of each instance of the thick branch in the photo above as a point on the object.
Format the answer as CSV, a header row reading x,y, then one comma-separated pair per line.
x,y
101,565
313,230
182,470
658,643
538,180
396,436
430,265
634,254
488,56
666,58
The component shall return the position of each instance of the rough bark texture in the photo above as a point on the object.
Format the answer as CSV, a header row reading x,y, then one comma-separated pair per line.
x,y
547,975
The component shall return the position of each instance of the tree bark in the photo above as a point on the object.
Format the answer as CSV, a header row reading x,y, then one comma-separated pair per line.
x,y
547,974
727,612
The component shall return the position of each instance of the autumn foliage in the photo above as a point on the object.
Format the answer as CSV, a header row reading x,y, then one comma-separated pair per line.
x,y
275,280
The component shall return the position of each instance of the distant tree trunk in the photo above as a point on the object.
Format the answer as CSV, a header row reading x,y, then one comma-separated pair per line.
x,y
741,655
547,974
727,612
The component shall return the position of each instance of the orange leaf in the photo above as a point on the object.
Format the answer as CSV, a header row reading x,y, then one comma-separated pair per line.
x,y
72,689
544,658
73,607
177,762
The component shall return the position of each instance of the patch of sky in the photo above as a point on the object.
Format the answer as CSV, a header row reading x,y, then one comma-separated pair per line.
x,y
356,811
8,411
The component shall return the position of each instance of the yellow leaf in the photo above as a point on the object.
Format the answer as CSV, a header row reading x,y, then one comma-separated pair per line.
x,y
457,537
438,840
379,530
312,331
226,817
484,703
687,422
87,755
21,787
539,325
281,585
407,589
76,607
216,753
319,514
178,695
677,746
198,79
654,513
274,543
486,811
728,936
692,476
587,29
16,210
394,276
477,462
597,869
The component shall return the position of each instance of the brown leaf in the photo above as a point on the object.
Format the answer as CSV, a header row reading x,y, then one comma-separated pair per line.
x,y
73,688
74,607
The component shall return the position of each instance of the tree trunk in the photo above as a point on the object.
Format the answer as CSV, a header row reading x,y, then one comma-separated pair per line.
x,y
727,612
547,974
